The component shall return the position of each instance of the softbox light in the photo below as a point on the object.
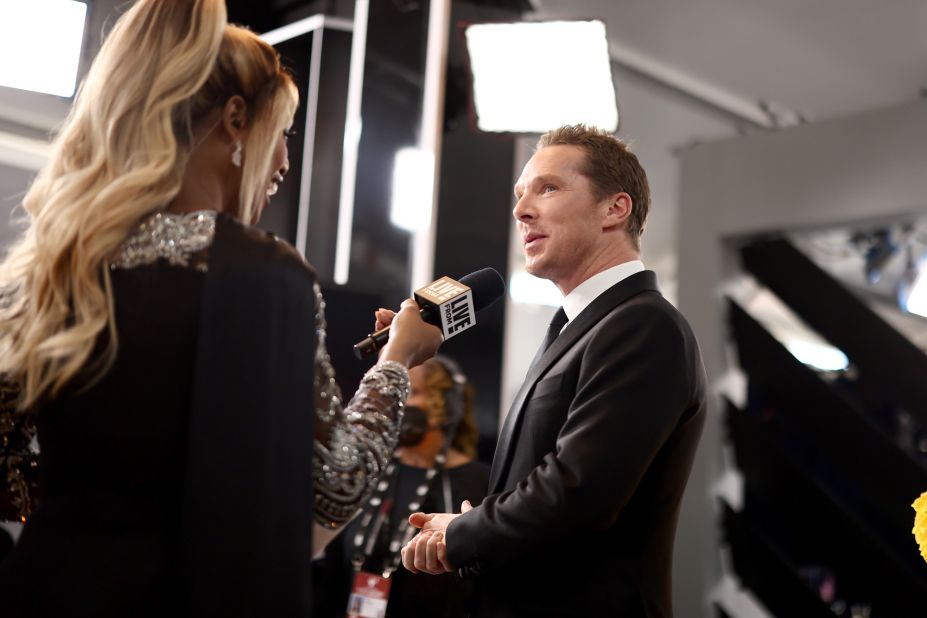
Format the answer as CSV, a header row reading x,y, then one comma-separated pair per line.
x,y
529,77
40,43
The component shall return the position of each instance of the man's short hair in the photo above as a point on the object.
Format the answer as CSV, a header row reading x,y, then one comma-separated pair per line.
x,y
610,166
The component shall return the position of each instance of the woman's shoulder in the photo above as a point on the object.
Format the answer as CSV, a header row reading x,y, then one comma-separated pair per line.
x,y
248,247
177,239
208,241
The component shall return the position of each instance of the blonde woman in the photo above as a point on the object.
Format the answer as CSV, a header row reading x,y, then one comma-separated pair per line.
x,y
170,358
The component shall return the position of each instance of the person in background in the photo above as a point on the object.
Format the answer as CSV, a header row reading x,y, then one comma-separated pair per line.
x,y
6,542
434,468
594,456
169,357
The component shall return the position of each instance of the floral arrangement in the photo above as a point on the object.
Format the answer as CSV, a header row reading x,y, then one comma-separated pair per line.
x,y
920,523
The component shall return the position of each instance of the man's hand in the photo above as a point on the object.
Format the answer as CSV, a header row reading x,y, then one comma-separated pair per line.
x,y
427,551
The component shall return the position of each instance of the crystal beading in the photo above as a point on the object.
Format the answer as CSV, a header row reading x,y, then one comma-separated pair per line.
x,y
18,458
176,238
354,443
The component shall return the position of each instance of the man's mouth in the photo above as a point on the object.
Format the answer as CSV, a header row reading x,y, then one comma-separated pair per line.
x,y
531,238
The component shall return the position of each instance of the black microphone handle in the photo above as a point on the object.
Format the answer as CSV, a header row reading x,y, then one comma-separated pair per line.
x,y
375,341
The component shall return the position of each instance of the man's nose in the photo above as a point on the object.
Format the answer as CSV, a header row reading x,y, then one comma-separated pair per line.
x,y
522,210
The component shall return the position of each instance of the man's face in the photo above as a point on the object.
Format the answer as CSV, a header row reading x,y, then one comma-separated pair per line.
x,y
559,217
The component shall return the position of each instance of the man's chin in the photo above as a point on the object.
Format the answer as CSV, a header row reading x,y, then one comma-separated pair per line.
x,y
534,266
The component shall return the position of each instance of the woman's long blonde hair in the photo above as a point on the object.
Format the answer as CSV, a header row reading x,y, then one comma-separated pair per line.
x,y
166,69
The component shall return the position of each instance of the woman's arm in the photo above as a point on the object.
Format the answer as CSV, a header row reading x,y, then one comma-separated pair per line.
x,y
354,442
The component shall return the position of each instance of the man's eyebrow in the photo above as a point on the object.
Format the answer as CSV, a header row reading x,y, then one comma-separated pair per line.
x,y
546,178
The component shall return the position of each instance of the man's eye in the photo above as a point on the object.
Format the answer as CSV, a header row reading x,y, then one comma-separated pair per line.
x,y
548,188
289,133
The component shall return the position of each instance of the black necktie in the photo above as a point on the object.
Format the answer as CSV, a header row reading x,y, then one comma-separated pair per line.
x,y
556,325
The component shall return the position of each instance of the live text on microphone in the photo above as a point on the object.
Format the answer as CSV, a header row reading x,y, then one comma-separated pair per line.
x,y
449,304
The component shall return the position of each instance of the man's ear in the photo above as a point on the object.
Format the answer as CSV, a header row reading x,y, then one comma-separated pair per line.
x,y
619,209
235,117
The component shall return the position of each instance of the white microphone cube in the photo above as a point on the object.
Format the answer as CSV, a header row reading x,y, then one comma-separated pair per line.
x,y
454,303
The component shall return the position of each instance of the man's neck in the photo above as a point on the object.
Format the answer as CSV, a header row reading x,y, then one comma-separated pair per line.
x,y
595,266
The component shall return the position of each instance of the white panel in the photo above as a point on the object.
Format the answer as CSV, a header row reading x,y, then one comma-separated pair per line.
x,y
40,43
529,77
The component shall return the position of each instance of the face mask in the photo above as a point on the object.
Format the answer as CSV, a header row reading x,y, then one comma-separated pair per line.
x,y
414,425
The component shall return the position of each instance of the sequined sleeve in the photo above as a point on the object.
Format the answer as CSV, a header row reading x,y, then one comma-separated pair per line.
x,y
18,460
354,442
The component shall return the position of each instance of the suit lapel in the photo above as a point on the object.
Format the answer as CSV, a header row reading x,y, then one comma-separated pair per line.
x,y
597,309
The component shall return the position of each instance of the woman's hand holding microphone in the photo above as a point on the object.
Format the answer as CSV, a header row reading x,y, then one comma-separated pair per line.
x,y
412,341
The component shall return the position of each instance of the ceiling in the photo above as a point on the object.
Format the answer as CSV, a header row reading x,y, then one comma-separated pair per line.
x,y
822,59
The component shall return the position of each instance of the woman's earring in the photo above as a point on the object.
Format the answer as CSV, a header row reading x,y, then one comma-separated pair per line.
x,y
236,154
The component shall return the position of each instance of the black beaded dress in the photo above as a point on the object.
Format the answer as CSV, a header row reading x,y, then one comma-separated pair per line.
x,y
187,479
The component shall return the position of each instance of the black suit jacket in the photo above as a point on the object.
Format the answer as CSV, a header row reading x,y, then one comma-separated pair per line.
x,y
591,467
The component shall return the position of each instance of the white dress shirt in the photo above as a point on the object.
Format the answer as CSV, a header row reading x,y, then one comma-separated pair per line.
x,y
592,288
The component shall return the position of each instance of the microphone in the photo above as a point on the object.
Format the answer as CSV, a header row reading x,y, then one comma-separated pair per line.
x,y
448,304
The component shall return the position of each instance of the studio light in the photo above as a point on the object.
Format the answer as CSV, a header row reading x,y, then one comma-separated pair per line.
x,y
822,356
917,299
413,173
40,42
529,77
912,290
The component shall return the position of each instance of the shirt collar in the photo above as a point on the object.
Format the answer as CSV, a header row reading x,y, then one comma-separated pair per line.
x,y
591,288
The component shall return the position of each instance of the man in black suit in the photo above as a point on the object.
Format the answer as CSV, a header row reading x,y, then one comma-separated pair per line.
x,y
596,449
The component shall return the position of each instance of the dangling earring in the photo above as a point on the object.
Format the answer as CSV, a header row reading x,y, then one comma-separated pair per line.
x,y
236,154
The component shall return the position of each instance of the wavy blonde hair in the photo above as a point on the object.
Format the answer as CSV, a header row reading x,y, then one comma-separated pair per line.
x,y
165,71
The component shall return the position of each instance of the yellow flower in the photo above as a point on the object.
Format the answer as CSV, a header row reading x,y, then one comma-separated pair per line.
x,y
920,523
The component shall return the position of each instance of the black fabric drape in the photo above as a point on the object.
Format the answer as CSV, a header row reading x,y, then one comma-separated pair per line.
x,y
247,514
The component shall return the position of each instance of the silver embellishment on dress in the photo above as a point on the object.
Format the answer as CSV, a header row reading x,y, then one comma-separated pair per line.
x,y
355,443
173,237
18,457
